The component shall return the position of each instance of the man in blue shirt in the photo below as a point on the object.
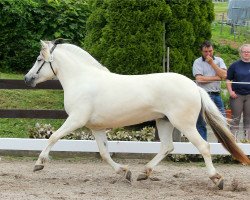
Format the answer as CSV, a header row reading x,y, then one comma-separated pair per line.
x,y
208,71
239,90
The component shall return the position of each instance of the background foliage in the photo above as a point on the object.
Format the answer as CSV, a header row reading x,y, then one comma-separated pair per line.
x,y
190,25
127,36
24,22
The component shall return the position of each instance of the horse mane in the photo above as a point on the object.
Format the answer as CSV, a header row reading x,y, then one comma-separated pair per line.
x,y
82,53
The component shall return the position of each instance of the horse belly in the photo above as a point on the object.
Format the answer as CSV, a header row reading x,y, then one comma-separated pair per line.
x,y
120,119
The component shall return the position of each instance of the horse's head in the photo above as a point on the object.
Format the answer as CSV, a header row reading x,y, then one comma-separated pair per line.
x,y
42,70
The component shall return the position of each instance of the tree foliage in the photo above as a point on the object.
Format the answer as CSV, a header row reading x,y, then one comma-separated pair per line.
x,y
24,22
127,36
189,26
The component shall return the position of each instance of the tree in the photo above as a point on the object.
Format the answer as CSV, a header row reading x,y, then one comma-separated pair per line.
x,y
24,23
189,26
127,36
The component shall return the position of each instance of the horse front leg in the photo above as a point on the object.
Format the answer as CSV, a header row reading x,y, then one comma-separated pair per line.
x,y
102,142
165,130
71,124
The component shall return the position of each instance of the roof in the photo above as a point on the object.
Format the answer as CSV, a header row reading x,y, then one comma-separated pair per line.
x,y
238,12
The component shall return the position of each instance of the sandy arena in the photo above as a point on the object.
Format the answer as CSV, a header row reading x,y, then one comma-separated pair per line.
x,y
91,178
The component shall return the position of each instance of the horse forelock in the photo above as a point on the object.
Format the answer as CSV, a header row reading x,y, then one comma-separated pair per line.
x,y
83,54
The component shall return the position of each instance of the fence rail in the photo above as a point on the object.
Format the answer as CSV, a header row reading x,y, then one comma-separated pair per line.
x,y
37,114
83,145
19,84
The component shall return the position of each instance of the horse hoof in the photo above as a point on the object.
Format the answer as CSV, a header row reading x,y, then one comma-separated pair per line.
x,y
38,167
128,175
142,177
220,184
218,180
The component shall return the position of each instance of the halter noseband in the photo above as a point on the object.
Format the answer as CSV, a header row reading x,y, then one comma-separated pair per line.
x,y
52,49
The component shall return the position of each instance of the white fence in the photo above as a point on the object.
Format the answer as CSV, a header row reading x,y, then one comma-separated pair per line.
x,y
114,146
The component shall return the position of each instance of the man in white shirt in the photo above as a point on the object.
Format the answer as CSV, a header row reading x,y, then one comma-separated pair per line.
x,y
208,71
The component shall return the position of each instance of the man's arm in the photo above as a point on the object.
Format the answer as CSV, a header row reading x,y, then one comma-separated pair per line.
x,y
206,79
222,73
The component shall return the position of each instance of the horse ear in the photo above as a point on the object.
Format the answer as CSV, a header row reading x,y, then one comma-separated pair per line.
x,y
43,44
45,51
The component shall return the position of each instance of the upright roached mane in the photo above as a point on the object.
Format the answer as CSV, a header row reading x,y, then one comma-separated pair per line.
x,y
99,99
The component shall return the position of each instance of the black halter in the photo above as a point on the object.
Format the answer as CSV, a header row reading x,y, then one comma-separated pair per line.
x,y
52,49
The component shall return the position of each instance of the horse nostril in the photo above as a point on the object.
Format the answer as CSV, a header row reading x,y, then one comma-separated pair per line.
x,y
26,80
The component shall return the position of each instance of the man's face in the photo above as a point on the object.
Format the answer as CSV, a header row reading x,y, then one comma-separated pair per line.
x,y
207,51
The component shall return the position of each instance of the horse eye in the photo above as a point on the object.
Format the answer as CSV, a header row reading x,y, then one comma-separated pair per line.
x,y
39,59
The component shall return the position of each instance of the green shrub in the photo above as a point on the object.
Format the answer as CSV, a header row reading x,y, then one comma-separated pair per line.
x,y
226,52
127,36
190,25
119,134
24,22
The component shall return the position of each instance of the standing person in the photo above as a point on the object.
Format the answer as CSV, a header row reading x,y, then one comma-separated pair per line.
x,y
208,71
239,71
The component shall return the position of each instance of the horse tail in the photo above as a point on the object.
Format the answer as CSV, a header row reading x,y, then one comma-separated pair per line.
x,y
219,125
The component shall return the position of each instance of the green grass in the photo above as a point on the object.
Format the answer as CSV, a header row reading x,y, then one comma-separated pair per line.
x,y
222,33
27,99
35,99
219,9
11,76
19,128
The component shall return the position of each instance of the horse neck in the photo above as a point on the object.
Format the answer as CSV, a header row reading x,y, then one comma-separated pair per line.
x,y
72,69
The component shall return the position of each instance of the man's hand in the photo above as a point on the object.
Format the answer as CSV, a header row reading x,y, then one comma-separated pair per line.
x,y
222,73
209,60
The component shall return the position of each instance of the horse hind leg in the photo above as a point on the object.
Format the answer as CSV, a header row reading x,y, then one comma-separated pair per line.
x,y
204,148
102,142
165,130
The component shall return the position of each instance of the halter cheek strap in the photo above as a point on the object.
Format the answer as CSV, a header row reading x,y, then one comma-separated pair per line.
x,y
52,49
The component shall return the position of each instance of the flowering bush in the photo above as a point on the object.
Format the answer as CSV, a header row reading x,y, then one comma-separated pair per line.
x,y
46,130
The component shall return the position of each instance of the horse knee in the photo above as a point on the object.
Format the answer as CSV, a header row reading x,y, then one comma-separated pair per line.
x,y
53,139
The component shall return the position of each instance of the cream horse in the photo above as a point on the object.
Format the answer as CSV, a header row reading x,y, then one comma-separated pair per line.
x,y
98,99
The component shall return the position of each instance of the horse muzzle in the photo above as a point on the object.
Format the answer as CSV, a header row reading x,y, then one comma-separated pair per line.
x,y
30,80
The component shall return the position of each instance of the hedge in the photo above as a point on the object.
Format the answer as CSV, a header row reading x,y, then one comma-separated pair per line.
x,y
24,23
127,36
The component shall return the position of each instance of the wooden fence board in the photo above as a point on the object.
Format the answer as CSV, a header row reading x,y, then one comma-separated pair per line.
x,y
20,84
33,114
